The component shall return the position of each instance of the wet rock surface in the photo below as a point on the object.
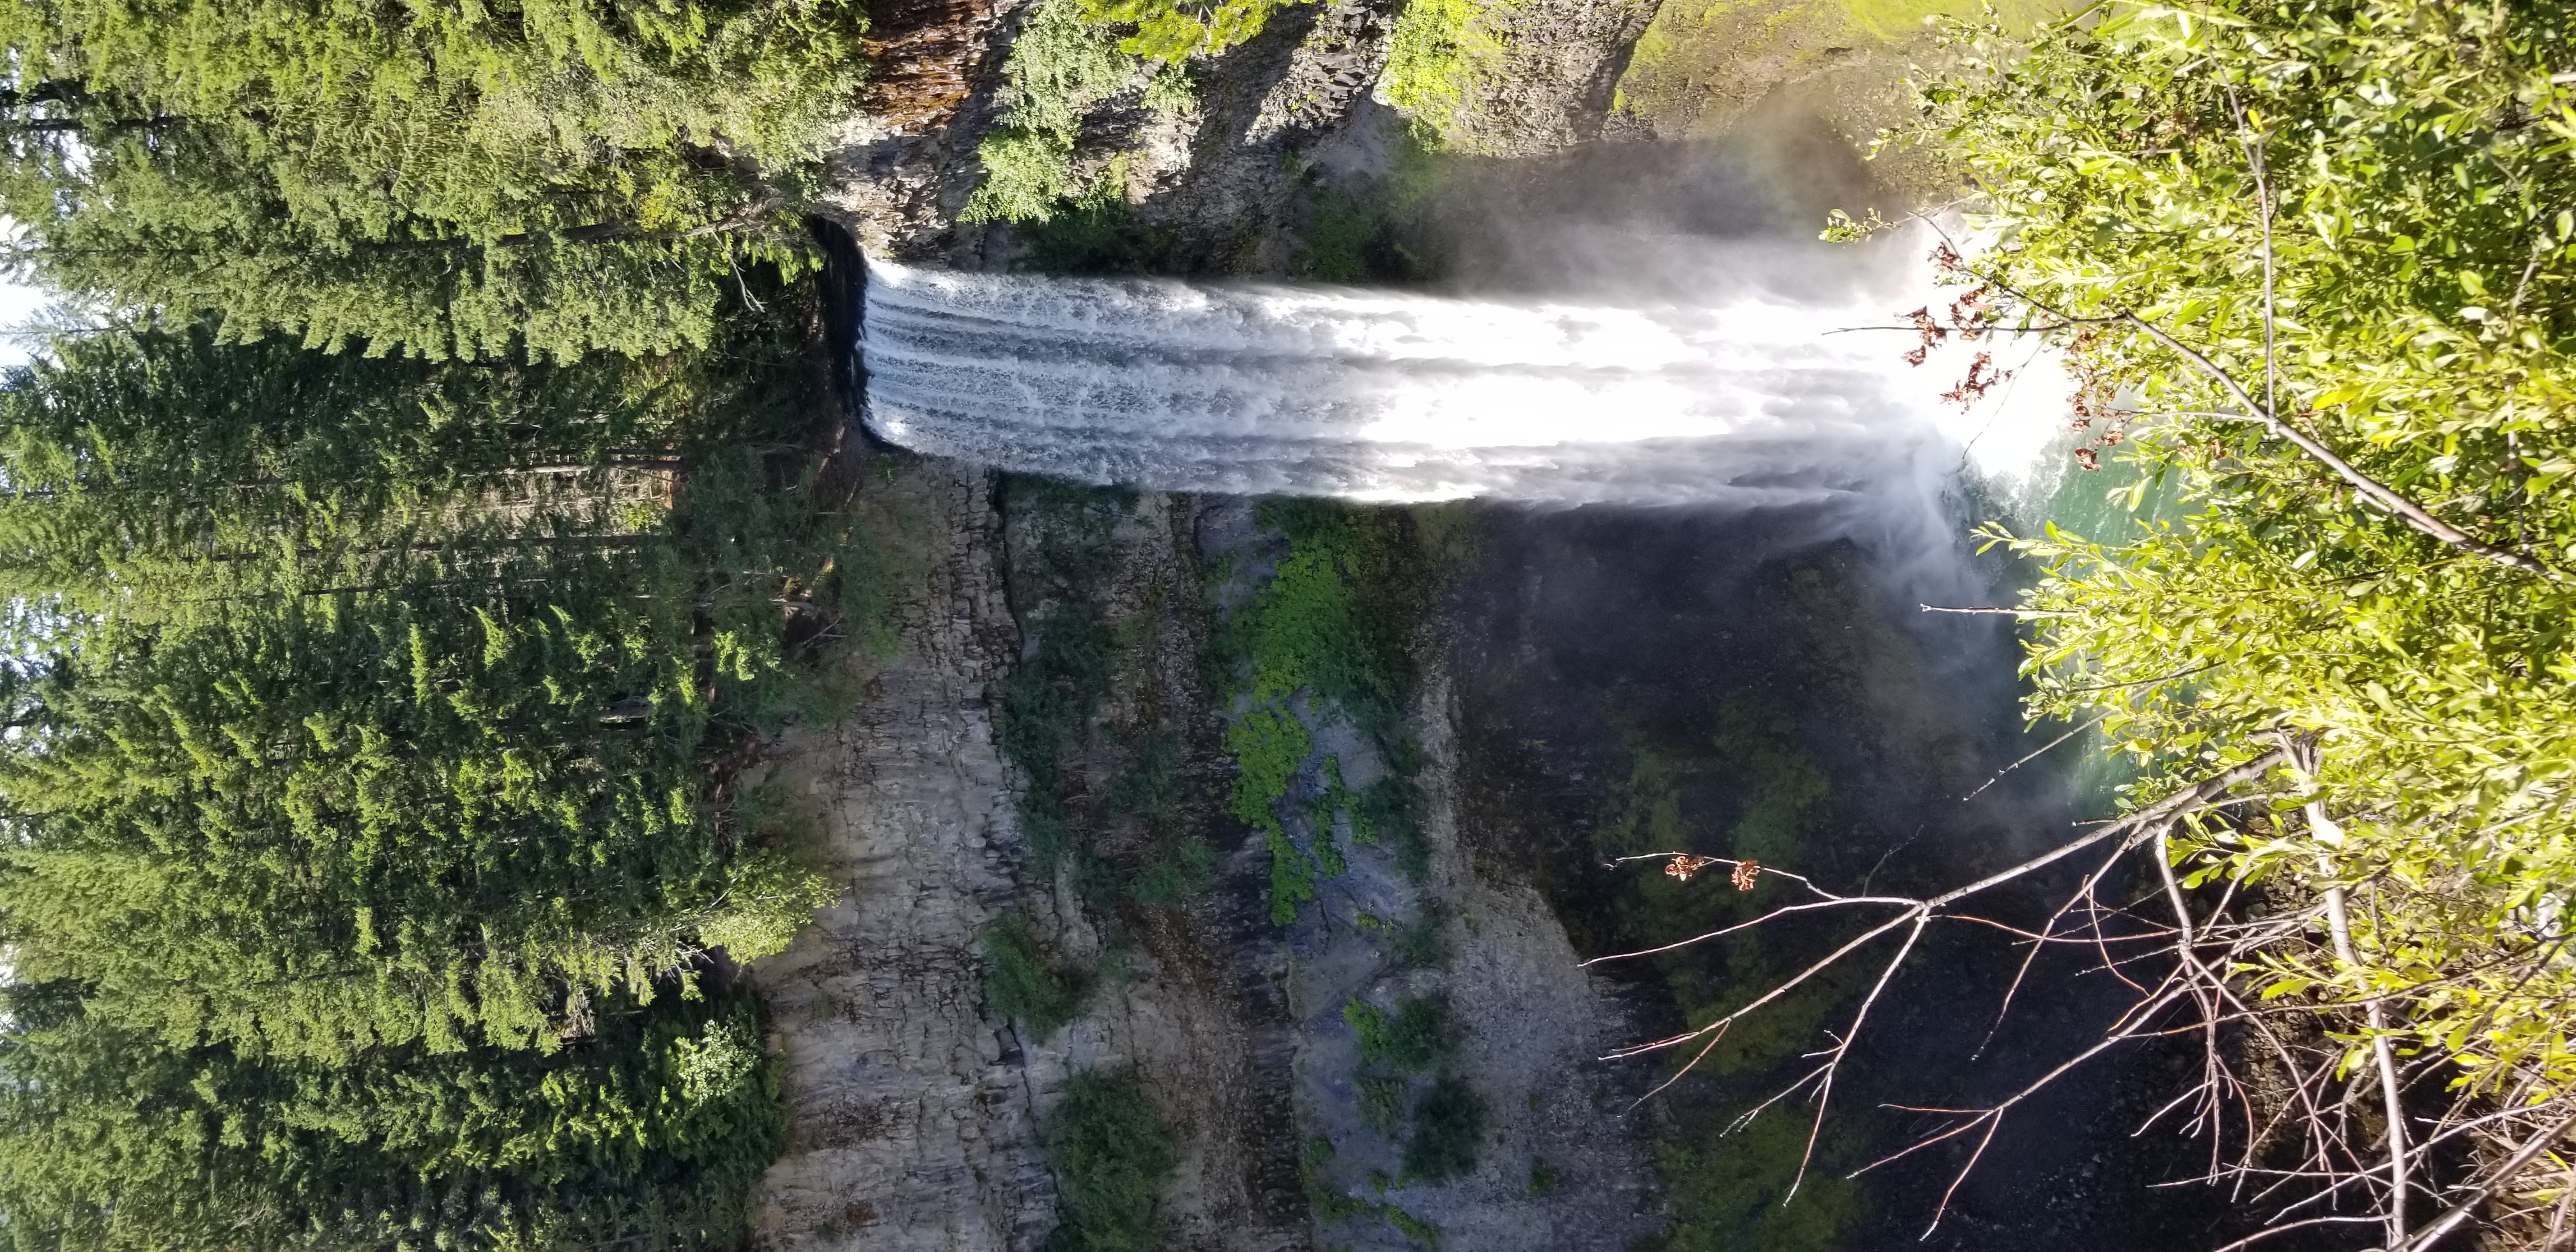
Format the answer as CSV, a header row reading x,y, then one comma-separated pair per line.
x,y
1555,81
1189,1000
1763,687
1335,64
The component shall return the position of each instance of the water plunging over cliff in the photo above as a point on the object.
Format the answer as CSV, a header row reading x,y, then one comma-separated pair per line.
x,y
1755,397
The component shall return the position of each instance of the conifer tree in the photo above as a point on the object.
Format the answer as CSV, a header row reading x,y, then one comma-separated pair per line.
x,y
316,754
642,1133
382,615
555,178
150,464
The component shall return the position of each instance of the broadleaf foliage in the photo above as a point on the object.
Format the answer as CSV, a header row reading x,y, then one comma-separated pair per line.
x,y
2360,207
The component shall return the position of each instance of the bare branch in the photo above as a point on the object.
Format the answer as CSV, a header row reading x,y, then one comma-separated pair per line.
x,y
2184,672
2195,796
2035,755
2412,513
1842,1049
1773,994
1914,915
2131,1027
2253,146
2083,892
1836,902
2339,925
1936,608
2251,1240
1772,870
2452,1218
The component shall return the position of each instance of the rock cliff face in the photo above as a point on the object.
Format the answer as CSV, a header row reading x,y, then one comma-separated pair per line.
x,y
913,1107
1558,1167
916,1110
1188,999
1555,77
910,1113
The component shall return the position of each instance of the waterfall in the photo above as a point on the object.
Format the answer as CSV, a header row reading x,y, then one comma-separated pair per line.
x,y
1759,394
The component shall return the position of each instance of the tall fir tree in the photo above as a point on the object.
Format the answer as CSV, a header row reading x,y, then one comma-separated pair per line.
x,y
643,1133
320,750
553,179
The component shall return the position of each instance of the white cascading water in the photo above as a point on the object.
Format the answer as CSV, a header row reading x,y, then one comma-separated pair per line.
x,y
1757,395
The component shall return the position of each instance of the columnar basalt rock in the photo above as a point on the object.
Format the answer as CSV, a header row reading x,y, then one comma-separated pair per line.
x,y
1225,177
901,167
1334,67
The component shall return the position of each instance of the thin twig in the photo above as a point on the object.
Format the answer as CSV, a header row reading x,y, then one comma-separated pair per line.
x,y
2558,1215
2412,513
1999,774
2082,892
1836,902
2263,198
2141,682
2258,1237
2496,1180
1936,608
1842,1048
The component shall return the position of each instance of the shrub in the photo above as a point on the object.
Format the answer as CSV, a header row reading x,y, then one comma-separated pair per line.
x,y
1382,1104
1411,1040
2323,255
771,898
1418,943
1049,699
1060,67
1097,232
1446,1125
1542,1180
1431,60
1333,625
1173,871
1024,981
1171,32
1026,172
1111,1154
1292,878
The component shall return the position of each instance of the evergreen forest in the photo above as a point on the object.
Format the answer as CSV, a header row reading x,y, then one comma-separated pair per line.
x,y
422,503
